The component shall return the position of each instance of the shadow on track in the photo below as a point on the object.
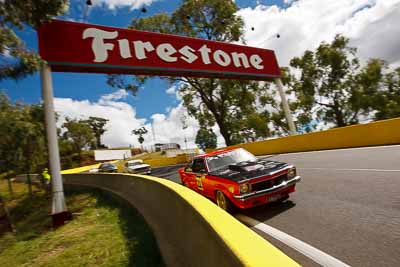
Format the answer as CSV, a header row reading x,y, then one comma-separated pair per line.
x,y
266,212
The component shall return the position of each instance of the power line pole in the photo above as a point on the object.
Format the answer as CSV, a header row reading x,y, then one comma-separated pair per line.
x,y
59,210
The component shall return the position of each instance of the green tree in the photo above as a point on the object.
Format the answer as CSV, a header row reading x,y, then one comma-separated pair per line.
x,y
206,138
386,101
9,160
30,135
332,86
227,103
97,125
140,132
22,148
79,133
17,60
67,153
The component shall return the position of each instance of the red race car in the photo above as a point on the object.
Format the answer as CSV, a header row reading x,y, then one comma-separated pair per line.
x,y
236,177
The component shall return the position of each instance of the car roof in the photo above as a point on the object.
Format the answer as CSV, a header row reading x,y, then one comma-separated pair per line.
x,y
216,152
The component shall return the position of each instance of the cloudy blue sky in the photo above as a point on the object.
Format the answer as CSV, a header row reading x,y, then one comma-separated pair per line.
x,y
371,25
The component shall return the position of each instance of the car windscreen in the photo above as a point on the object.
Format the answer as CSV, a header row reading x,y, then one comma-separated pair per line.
x,y
222,160
106,166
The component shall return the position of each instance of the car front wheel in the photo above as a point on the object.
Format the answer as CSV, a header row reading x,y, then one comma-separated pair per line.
x,y
222,201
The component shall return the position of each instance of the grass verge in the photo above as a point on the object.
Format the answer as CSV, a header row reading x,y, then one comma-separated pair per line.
x,y
105,231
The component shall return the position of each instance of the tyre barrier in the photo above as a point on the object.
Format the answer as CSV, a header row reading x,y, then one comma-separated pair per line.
x,y
190,229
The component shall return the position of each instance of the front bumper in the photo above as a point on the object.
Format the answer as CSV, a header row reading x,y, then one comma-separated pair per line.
x,y
274,189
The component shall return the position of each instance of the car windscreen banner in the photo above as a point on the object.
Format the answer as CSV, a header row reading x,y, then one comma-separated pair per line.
x,y
78,47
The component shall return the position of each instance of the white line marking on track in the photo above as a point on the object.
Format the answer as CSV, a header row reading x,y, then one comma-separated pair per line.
x,y
332,169
315,254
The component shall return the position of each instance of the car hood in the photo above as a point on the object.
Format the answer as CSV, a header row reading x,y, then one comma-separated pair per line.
x,y
249,170
139,166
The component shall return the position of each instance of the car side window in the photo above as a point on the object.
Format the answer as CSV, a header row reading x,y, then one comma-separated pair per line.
x,y
199,166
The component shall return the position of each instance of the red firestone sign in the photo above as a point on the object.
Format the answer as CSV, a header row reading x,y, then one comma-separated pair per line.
x,y
77,47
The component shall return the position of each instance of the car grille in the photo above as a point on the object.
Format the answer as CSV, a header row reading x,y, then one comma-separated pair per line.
x,y
268,183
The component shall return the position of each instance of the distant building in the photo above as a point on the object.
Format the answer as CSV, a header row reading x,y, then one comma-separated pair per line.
x,y
106,155
191,152
167,146
158,147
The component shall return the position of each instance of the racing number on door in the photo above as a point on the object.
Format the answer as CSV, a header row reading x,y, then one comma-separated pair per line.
x,y
199,181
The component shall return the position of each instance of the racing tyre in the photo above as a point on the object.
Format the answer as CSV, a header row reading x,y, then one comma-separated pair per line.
x,y
222,201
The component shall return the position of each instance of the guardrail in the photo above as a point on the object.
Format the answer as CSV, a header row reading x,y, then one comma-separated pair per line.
x,y
80,169
190,229
386,132
160,162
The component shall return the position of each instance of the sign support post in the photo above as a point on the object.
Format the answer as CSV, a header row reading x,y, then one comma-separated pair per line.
x,y
285,105
59,210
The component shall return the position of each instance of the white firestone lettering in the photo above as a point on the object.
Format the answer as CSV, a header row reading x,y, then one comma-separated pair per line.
x,y
204,51
240,59
188,54
256,61
165,52
222,58
100,48
124,49
141,48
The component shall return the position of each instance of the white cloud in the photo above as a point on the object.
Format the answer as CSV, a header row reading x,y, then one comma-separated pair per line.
x,y
120,94
133,4
288,2
6,53
171,90
175,126
178,126
371,26
122,118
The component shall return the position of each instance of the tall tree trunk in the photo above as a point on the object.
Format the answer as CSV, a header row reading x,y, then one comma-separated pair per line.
x,y
98,142
7,218
80,157
220,122
28,177
224,132
339,118
10,188
338,113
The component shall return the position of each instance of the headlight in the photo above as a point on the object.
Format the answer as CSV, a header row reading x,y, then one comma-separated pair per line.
x,y
291,173
244,188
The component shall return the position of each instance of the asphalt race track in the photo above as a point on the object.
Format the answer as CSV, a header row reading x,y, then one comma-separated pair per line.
x,y
347,205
